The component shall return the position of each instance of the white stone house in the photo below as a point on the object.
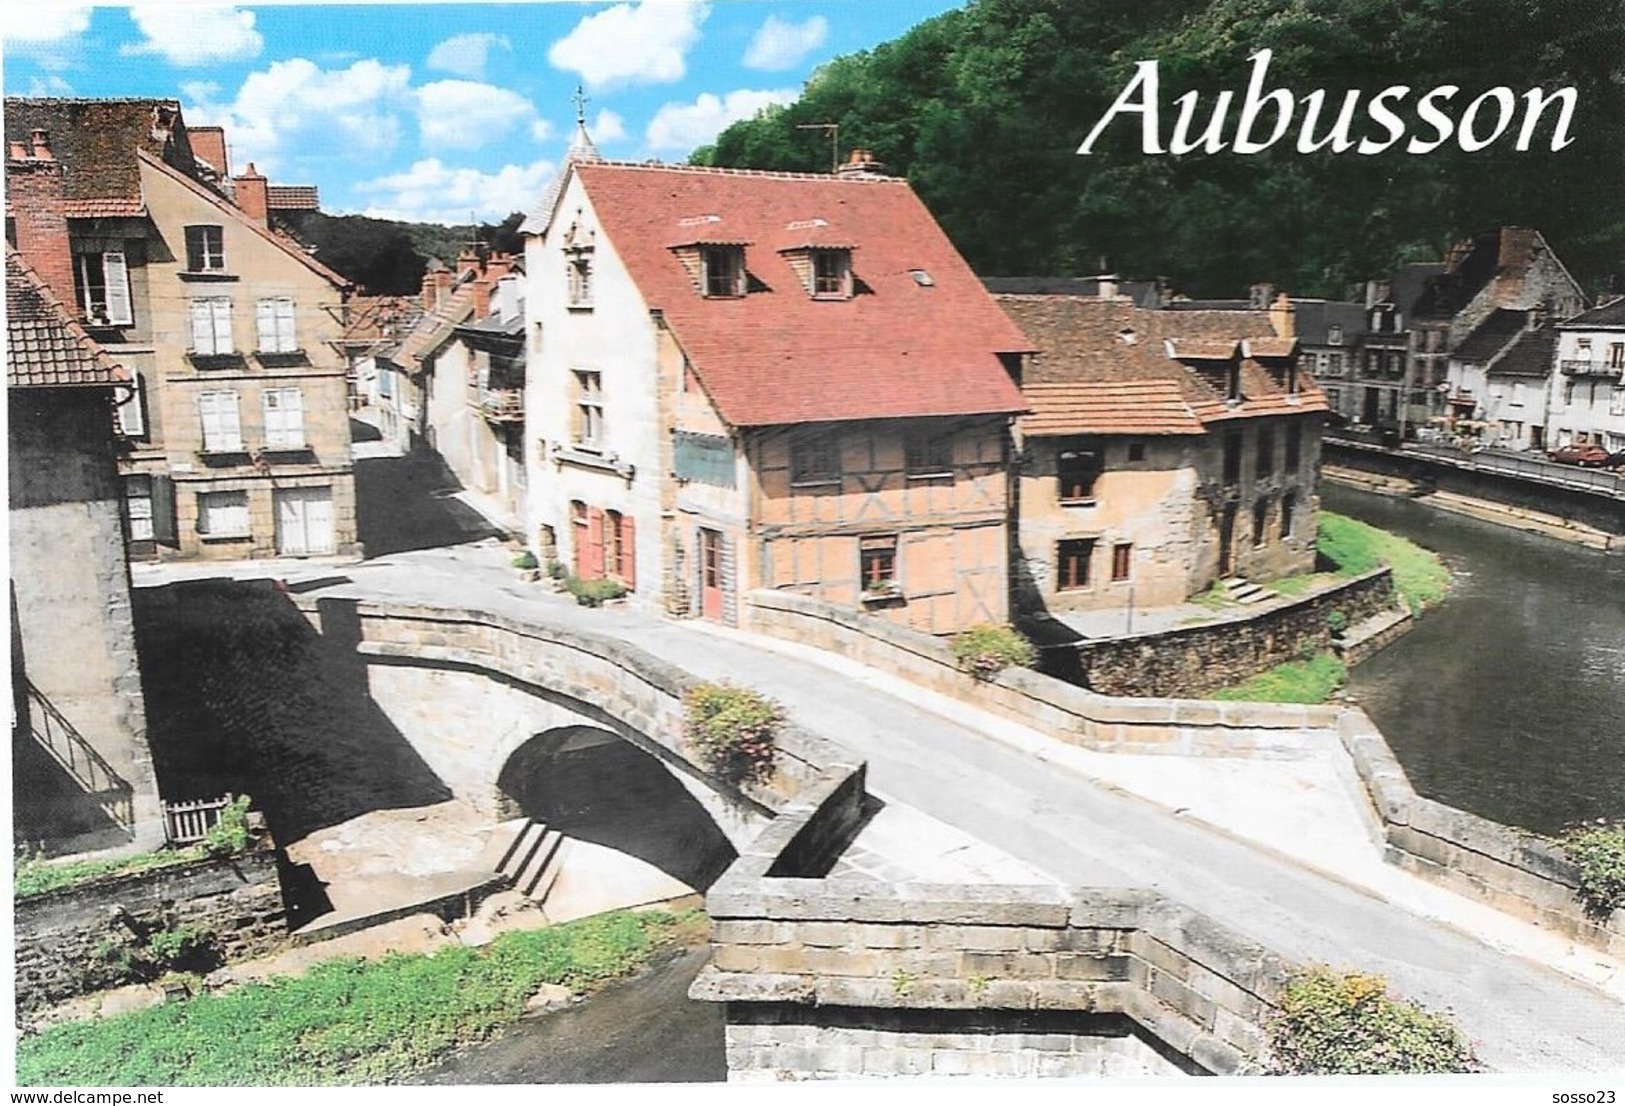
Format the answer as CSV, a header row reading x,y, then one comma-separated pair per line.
x,y
1586,400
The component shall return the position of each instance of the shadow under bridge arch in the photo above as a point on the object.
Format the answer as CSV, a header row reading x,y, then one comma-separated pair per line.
x,y
591,784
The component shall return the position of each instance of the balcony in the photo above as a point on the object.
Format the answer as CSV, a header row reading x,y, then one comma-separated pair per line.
x,y
1591,368
502,405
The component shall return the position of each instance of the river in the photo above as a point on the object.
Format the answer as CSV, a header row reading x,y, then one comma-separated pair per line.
x,y
1508,699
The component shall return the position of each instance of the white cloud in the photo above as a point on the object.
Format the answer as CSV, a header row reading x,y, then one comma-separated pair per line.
x,y
37,25
433,192
608,127
685,126
780,44
199,91
294,110
466,115
632,44
49,85
465,55
195,35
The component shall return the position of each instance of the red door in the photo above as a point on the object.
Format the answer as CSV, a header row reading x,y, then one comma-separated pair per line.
x,y
711,575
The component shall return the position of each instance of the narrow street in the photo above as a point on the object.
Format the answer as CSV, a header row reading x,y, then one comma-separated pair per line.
x,y
1521,1015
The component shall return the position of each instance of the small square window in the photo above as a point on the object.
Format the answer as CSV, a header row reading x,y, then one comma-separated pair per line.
x,y
928,455
830,271
1077,467
205,249
1136,452
815,459
724,270
1072,563
877,563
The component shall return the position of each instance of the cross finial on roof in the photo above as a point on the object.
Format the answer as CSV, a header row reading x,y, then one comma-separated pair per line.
x,y
580,101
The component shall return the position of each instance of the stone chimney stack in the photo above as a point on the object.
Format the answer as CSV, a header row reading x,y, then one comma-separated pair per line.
x,y
436,283
1283,316
40,223
1106,286
861,163
252,193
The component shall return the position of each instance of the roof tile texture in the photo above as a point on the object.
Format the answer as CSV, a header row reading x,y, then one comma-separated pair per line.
x,y
45,347
895,349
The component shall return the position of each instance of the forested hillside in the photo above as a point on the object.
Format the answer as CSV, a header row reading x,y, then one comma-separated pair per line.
x,y
385,257
984,108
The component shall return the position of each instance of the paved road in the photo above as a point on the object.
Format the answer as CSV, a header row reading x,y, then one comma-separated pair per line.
x,y
1521,1016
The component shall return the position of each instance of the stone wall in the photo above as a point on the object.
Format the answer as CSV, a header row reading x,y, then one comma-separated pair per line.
x,y
59,935
1516,872
1061,710
1197,660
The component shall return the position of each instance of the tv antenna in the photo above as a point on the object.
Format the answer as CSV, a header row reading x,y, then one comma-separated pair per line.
x,y
834,130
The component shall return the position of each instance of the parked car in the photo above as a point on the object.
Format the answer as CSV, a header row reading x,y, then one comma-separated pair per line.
x,y
1586,456
1616,461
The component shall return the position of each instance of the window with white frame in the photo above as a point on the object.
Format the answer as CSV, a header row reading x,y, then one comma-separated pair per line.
x,y
284,418
211,325
222,514
831,273
206,248
724,268
274,317
1616,401
589,422
102,282
222,426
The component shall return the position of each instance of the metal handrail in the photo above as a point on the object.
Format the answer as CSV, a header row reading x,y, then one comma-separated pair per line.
x,y
76,756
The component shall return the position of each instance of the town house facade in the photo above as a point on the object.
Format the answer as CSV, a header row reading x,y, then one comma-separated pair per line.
x,y
742,380
237,431
1587,400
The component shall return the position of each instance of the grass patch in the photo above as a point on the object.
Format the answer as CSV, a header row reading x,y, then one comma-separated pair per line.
x,y
34,876
1311,681
1420,578
347,1021
1215,598
1294,586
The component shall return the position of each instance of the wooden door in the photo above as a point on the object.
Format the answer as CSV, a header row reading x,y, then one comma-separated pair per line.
x,y
1227,540
711,575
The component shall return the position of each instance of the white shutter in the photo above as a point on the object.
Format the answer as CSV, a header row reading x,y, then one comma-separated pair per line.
x,y
221,310
202,327
222,427
284,325
117,275
284,418
129,414
265,320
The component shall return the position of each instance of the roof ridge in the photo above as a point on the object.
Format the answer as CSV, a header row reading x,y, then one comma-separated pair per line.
x,y
722,170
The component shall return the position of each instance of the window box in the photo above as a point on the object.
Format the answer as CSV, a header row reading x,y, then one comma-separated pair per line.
x,y
282,359
214,362
883,593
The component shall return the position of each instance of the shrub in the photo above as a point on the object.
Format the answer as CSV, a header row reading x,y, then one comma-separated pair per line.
x,y
593,593
525,560
229,836
555,570
1336,1023
733,729
1337,622
1599,853
127,956
1307,681
985,651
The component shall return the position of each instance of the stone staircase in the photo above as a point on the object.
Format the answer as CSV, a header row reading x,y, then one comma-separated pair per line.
x,y
1238,590
528,854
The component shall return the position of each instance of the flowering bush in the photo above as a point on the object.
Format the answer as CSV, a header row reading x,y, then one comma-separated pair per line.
x,y
1599,853
1336,1023
733,729
985,651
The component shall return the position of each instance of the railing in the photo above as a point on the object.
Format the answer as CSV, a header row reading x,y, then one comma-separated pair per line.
x,y
1507,463
77,757
190,822
1591,368
503,404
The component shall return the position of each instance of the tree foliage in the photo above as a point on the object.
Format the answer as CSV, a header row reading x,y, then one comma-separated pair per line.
x,y
386,257
982,108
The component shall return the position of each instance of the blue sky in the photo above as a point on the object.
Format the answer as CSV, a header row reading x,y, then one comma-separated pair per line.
x,y
433,111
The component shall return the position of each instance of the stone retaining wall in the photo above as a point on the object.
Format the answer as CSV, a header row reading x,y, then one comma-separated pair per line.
x,y
1197,660
1514,871
1189,727
61,935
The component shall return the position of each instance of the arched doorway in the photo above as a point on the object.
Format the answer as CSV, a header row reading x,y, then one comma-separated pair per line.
x,y
592,785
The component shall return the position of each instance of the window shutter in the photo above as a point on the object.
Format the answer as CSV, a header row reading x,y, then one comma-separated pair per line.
x,y
117,275
231,422
629,553
194,249
595,543
163,510
202,327
265,321
131,414
221,310
284,325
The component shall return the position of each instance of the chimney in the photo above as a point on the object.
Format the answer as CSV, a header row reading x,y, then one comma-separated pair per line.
x,y
40,223
861,163
1260,297
1283,316
209,143
436,282
1375,292
41,140
1106,286
252,194
1537,315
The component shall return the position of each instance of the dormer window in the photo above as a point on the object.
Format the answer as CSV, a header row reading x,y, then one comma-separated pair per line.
x,y
832,273
723,270
1334,335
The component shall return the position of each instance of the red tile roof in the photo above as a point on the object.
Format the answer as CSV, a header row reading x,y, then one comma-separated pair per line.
x,y
1125,407
1125,355
292,197
434,328
45,346
896,349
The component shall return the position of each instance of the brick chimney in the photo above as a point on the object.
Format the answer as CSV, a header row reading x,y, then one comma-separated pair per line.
x,y
40,223
252,194
1283,316
861,163
209,143
436,283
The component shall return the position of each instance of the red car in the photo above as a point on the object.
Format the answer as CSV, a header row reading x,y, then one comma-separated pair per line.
x,y
1586,456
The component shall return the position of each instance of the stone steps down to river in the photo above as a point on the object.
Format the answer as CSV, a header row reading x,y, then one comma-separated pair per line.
x,y
529,854
1238,590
